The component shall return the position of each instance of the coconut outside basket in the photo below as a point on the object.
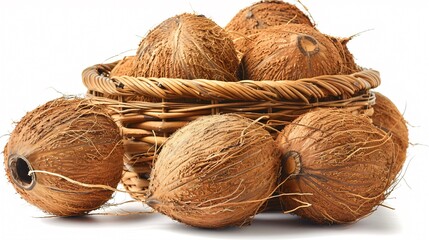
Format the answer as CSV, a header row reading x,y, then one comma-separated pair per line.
x,y
149,110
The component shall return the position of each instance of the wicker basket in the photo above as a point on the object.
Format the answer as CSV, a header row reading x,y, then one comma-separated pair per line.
x,y
148,110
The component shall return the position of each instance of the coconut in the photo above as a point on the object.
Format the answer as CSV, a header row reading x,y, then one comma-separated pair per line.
x,y
124,67
290,52
349,65
336,166
217,171
187,46
387,117
264,14
261,15
65,138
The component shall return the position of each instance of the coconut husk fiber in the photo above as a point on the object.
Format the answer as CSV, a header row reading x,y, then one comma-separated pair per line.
x,y
187,46
349,65
387,117
290,52
72,138
261,15
264,14
215,172
124,67
340,161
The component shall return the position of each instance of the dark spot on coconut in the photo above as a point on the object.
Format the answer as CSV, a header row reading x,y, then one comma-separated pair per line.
x,y
308,45
292,163
20,168
259,24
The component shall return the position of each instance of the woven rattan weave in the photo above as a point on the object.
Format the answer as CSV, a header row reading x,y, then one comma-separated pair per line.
x,y
149,110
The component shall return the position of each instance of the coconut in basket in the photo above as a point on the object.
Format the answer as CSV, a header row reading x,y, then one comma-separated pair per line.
x,y
185,46
290,52
244,26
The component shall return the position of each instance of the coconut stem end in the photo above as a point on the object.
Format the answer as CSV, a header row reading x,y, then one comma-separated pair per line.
x,y
308,45
291,162
20,169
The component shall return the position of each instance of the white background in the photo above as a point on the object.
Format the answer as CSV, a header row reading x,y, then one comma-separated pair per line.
x,y
44,46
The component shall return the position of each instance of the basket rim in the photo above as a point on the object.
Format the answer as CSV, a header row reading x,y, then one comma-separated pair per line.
x,y
96,78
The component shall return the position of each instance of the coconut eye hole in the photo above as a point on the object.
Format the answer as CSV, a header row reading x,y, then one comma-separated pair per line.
x,y
19,168
308,45
291,164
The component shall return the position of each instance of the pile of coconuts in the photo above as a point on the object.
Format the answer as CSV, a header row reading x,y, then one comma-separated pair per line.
x,y
329,166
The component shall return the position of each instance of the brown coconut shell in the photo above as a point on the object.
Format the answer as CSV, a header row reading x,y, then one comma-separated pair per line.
x,y
264,14
261,15
336,166
290,52
349,64
124,67
72,138
387,117
217,171
187,46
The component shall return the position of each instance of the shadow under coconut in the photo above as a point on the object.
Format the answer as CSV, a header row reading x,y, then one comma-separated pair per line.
x,y
382,221
264,225
278,224
121,216
91,220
